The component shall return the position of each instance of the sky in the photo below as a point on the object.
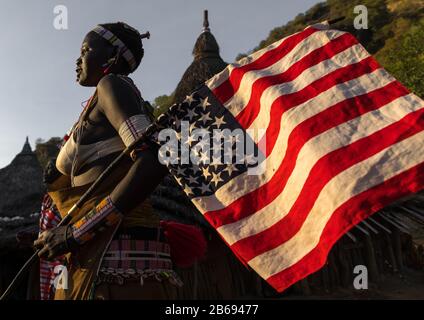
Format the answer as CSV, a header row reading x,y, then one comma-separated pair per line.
x,y
39,95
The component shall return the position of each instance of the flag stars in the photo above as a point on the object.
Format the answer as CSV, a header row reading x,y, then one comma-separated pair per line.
x,y
189,141
180,171
216,178
231,168
178,179
219,122
218,135
192,180
205,172
191,113
188,190
205,118
204,157
192,127
204,188
204,103
189,99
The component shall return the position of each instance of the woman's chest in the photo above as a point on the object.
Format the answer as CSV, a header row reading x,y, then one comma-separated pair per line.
x,y
94,127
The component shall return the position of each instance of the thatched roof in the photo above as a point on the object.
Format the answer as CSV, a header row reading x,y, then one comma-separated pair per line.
x,y
207,62
21,184
21,190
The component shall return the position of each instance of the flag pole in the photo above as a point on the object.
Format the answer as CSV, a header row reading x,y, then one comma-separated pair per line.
x,y
162,119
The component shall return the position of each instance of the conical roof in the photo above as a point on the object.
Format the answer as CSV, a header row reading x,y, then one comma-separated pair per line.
x,y
206,63
21,184
26,150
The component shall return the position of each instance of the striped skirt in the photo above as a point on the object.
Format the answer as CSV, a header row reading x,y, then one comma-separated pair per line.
x,y
138,253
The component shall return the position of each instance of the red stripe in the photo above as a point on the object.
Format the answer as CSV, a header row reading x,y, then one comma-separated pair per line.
x,y
284,103
345,217
325,120
323,171
252,108
227,89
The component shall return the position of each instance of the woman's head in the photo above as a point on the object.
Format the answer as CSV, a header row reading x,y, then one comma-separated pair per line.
x,y
111,47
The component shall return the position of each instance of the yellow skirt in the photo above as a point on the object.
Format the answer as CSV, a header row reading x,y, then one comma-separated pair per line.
x,y
83,265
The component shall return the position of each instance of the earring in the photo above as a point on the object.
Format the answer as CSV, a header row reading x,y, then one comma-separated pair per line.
x,y
108,65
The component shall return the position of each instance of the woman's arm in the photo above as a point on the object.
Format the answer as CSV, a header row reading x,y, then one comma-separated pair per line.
x,y
120,104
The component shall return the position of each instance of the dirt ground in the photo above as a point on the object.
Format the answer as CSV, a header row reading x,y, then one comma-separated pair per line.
x,y
409,285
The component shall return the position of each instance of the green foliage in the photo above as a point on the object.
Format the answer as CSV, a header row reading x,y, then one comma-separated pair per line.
x,y
403,57
395,33
47,150
162,103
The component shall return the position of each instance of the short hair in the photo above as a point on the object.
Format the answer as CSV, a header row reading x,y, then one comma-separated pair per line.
x,y
130,37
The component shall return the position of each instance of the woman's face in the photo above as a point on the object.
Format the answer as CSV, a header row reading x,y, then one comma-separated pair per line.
x,y
95,52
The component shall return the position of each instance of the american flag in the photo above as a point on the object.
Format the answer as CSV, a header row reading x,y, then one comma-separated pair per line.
x,y
336,136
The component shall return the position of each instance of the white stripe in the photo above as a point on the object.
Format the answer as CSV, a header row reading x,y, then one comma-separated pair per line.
x,y
290,119
315,41
348,57
223,76
371,172
316,148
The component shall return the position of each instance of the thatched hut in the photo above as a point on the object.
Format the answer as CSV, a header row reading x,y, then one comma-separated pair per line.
x,y
21,190
21,184
206,63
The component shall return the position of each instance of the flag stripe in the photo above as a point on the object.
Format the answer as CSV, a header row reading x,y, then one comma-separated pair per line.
x,y
283,103
281,82
344,218
226,90
224,75
309,45
290,119
343,111
312,151
319,197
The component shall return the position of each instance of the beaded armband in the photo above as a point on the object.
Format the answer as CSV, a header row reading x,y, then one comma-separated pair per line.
x,y
132,128
104,215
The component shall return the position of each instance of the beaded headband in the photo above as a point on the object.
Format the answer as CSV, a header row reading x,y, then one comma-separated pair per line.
x,y
115,41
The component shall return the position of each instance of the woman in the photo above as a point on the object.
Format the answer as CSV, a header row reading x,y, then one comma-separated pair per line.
x,y
115,246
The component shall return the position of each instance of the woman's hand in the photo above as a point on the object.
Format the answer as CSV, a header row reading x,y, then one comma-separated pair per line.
x,y
55,242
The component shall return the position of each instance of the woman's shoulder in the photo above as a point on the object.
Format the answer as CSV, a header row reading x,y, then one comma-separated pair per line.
x,y
112,80
113,83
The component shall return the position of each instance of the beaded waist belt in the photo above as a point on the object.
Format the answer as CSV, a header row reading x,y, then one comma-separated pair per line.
x,y
137,254
129,258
